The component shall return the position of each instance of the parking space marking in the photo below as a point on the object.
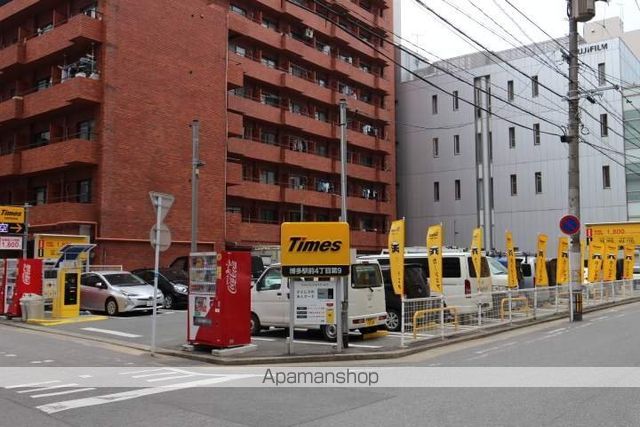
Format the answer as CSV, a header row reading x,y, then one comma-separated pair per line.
x,y
142,371
166,372
333,344
262,339
110,332
60,393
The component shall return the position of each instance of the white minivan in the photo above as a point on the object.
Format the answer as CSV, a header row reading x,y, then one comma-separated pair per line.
x,y
367,312
461,287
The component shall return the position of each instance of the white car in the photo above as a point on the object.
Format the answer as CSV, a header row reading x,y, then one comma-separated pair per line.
x,y
367,312
461,286
499,274
115,292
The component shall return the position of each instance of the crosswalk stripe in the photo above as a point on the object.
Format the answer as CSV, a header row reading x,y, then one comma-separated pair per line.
x,y
31,384
52,408
46,388
76,390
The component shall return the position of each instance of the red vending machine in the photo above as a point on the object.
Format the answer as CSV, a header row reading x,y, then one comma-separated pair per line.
x,y
219,299
27,281
8,274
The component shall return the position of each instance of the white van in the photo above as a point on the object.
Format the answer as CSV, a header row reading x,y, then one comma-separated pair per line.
x,y
367,312
461,287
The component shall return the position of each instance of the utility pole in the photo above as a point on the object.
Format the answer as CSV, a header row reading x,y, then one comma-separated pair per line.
x,y
343,324
195,176
573,131
577,11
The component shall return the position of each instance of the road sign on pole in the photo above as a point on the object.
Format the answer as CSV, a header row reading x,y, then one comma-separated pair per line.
x,y
164,234
570,224
161,204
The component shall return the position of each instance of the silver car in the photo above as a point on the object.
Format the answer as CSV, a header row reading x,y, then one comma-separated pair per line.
x,y
115,292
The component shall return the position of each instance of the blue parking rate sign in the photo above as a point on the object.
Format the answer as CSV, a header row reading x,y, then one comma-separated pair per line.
x,y
570,224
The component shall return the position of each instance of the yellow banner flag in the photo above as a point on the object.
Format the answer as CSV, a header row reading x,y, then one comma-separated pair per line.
x,y
396,255
434,246
542,279
476,251
512,279
562,263
596,250
610,262
583,249
629,262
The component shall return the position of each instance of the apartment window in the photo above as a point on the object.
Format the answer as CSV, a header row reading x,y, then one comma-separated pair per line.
x,y
536,134
269,23
267,177
40,195
270,99
510,91
602,78
514,185
269,137
538,182
457,190
238,10
456,101
268,215
534,86
436,191
512,137
238,50
456,145
604,125
436,148
84,191
434,104
43,83
86,129
41,138
606,177
269,61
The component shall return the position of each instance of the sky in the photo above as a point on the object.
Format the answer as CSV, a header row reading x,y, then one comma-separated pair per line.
x,y
421,27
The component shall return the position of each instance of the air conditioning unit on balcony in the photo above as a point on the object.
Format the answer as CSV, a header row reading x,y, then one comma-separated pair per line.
x,y
308,33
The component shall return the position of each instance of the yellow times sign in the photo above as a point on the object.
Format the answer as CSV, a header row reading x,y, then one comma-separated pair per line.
x,y
315,249
619,233
12,214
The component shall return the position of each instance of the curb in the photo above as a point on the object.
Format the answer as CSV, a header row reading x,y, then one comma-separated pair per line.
x,y
382,355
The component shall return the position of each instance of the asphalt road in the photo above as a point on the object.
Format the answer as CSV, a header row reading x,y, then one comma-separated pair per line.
x,y
605,338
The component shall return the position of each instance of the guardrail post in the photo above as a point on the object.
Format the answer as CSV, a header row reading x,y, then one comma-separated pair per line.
x,y
442,316
570,302
479,314
535,300
601,292
557,299
510,304
402,302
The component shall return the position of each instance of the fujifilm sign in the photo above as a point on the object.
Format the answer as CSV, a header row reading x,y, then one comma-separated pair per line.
x,y
593,48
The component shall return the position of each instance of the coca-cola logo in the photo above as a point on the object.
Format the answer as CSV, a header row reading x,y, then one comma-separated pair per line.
x,y
26,275
231,272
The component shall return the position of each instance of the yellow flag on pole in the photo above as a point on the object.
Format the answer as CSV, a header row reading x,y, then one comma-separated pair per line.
x,y
476,251
512,279
562,263
629,255
396,255
434,246
542,279
610,262
596,250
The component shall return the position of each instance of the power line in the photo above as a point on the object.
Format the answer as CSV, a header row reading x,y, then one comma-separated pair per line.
x,y
392,60
449,23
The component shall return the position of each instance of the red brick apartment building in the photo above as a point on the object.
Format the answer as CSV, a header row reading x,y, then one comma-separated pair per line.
x,y
96,98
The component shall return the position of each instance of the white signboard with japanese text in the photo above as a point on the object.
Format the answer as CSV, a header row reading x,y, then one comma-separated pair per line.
x,y
315,302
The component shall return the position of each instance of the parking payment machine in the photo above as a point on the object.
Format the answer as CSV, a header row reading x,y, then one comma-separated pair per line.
x,y
66,302
8,277
219,299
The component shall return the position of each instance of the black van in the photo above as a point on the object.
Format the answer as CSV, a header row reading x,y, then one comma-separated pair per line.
x,y
415,285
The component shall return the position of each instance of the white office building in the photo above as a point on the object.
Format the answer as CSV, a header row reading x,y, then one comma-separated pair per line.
x,y
508,170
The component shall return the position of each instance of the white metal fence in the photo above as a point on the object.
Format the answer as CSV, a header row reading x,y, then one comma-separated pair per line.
x,y
433,318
